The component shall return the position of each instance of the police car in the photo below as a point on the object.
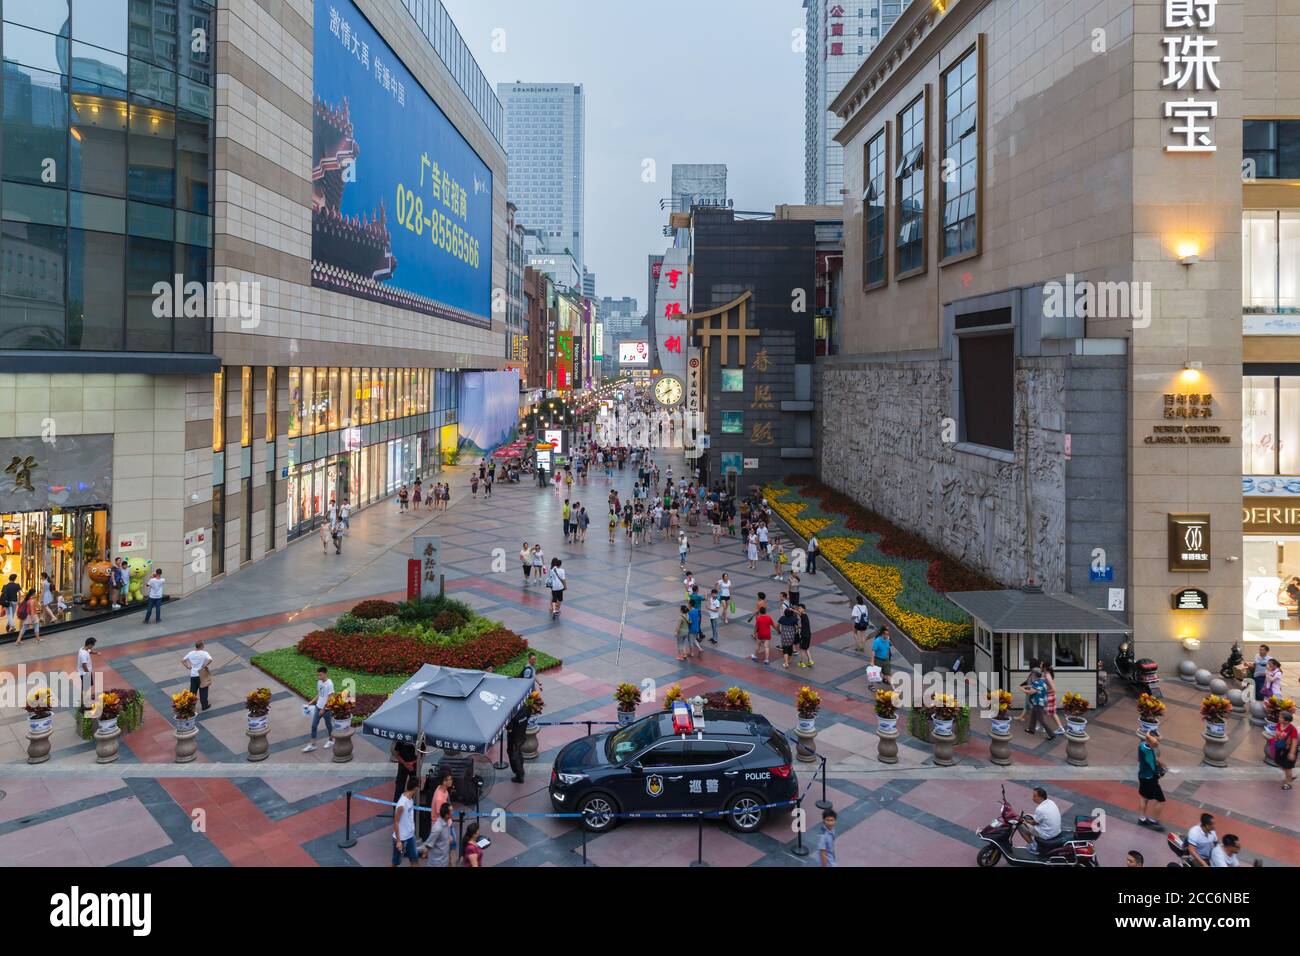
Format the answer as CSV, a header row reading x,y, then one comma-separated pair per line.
x,y
672,763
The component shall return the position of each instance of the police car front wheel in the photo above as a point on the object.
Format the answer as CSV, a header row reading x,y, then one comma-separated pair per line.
x,y
745,812
598,812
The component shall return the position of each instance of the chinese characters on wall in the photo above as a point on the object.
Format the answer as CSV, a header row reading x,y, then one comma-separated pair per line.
x,y
1190,68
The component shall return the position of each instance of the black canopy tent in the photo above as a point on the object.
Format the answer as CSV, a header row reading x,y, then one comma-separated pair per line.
x,y
460,711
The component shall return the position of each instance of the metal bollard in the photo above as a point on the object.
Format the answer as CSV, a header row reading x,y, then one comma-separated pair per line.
x,y
799,849
824,803
348,840
699,860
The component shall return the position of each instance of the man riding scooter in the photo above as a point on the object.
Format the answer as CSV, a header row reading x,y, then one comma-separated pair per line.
x,y
1043,828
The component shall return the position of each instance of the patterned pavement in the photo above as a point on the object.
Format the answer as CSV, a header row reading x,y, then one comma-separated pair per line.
x,y
617,625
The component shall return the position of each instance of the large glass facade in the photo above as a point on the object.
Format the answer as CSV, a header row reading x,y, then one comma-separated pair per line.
x,y
107,131
359,434
1270,261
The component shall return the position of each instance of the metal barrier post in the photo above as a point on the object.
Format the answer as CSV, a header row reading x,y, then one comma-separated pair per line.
x,y
502,763
824,804
348,840
799,849
588,728
699,860
460,840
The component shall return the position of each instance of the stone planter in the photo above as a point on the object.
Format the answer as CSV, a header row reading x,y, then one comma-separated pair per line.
x,y
806,749
1000,742
1216,747
342,737
942,744
887,742
258,748
1076,749
1076,726
107,741
38,739
531,746
187,742
626,717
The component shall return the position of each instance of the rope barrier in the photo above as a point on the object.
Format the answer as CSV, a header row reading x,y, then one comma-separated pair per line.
x,y
622,815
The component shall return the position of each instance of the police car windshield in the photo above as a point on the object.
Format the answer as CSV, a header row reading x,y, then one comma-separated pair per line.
x,y
626,743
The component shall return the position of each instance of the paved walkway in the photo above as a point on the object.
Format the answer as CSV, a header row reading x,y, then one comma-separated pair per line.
x,y
617,625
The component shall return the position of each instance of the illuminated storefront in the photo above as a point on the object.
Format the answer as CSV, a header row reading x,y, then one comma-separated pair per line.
x,y
356,435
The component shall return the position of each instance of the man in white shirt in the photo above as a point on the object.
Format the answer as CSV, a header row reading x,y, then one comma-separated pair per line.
x,y
1225,854
404,842
86,671
324,688
1046,825
196,661
1201,840
155,585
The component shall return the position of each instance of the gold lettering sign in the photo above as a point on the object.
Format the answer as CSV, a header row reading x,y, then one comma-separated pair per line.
x,y
1268,515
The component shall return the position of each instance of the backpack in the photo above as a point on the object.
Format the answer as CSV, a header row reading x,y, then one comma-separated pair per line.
x,y
22,611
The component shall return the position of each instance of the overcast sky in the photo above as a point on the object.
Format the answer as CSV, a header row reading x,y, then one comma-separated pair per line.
x,y
685,81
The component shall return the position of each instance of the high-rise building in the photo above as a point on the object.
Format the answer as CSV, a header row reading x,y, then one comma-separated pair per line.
x,y
840,35
589,284
545,140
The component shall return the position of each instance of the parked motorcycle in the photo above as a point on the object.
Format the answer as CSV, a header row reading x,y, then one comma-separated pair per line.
x,y
1235,659
1178,847
1143,673
1074,850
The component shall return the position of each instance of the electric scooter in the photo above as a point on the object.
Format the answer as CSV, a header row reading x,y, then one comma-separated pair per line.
x,y
1077,850
1142,673
1235,659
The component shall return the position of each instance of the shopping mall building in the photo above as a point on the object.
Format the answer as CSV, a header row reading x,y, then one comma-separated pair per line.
x,y
249,251
1070,345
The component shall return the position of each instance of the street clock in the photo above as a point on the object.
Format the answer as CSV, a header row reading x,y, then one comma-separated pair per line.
x,y
668,391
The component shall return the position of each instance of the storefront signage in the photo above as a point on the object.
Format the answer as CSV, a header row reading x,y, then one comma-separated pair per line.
x,y
196,537
426,550
751,464
1190,63
1273,515
1189,542
1102,574
132,541
1190,599
75,470
1272,485
694,379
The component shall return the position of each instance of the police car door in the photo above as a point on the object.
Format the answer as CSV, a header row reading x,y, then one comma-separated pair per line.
x,y
713,773
660,783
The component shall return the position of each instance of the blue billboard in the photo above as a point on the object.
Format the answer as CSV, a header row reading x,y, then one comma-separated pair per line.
x,y
401,204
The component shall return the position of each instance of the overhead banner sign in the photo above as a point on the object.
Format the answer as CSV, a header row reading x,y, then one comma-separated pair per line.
x,y
633,353
401,203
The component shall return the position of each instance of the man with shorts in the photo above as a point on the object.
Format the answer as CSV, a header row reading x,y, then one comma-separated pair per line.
x,y
1149,791
762,635
555,580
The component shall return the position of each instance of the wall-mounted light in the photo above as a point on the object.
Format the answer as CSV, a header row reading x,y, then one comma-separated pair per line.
x,y
1189,253
1192,372
1191,643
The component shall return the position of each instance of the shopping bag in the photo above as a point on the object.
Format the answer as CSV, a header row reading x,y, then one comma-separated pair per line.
x,y
874,674
731,607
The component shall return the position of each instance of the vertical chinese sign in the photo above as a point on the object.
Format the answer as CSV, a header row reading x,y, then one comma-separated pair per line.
x,y
1190,64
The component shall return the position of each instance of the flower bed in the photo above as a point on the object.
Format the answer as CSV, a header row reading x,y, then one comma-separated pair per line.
x,y
896,570
396,654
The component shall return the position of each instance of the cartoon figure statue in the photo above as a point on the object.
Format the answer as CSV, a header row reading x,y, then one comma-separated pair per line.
x,y
137,571
98,572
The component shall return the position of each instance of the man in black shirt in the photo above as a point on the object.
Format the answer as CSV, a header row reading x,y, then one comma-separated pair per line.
x,y
9,597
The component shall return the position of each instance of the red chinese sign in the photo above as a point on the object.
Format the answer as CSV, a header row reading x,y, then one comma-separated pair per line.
x,y
673,344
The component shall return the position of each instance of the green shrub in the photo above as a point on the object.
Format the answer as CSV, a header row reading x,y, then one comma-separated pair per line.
x,y
447,621
375,609
349,623
380,625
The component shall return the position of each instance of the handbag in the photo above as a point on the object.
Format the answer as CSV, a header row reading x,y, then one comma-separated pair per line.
x,y
731,607
874,674
205,676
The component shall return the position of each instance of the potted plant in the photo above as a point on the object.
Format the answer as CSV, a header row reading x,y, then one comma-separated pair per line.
x,y
1214,711
110,706
258,703
673,695
738,699
887,710
1273,707
1075,706
942,711
1150,710
339,706
627,696
534,704
807,702
40,710
185,707
40,724
1000,722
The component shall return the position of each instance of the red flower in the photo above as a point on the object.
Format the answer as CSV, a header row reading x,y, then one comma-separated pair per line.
x,y
395,654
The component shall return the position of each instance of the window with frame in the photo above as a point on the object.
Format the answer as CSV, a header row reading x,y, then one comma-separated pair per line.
x,y
875,199
987,366
1270,261
960,179
909,241
1270,425
1270,149
1061,651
